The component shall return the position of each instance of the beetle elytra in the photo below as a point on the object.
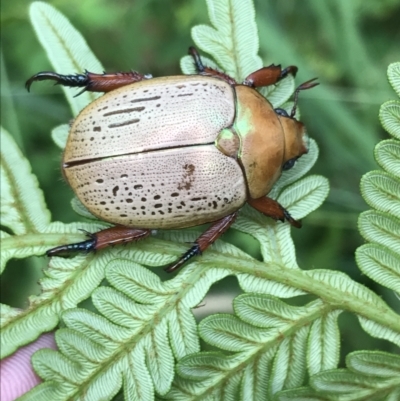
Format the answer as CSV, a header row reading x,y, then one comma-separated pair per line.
x,y
177,151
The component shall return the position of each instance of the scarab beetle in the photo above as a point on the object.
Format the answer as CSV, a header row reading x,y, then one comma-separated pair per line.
x,y
177,151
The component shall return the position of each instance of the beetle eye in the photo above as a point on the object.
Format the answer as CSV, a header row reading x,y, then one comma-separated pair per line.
x,y
281,112
289,164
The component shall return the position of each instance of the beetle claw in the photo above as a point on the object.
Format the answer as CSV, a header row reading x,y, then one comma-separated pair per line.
x,y
30,81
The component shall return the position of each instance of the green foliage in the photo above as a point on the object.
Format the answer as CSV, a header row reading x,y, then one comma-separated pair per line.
x,y
369,375
380,259
143,337
65,48
372,375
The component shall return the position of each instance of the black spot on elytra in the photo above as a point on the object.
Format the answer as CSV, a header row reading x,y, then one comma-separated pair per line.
x,y
115,190
187,178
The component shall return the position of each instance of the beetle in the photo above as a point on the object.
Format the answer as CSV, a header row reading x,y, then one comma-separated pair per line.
x,y
177,151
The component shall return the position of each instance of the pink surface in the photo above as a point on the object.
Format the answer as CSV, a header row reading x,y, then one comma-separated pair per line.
x,y
16,373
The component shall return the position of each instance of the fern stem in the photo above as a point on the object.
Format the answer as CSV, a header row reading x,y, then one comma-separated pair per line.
x,y
369,306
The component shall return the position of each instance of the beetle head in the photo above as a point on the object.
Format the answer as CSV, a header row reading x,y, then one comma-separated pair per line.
x,y
296,140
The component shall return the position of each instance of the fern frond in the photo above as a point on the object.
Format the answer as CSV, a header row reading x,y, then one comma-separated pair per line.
x,y
267,337
379,330
389,116
144,324
380,259
233,39
370,375
297,340
66,282
60,135
22,207
387,154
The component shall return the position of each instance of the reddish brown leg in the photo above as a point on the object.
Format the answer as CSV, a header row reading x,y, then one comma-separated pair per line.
x,y
263,77
89,81
273,209
269,75
203,70
102,239
205,240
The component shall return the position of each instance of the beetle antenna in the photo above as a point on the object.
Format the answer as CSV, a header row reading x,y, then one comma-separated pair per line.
x,y
306,85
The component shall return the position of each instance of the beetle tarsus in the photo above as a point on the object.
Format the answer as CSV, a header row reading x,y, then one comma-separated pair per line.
x,y
197,60
293,222
211,72
76,80
205,240
90,81
190,253
64,250
115,235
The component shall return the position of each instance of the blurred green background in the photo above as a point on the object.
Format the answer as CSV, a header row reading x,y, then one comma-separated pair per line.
x,y
347,44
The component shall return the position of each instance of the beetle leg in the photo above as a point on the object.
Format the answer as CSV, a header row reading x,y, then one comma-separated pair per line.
x,y
271,208
89,81
205,240
211,72
269,75
102,239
